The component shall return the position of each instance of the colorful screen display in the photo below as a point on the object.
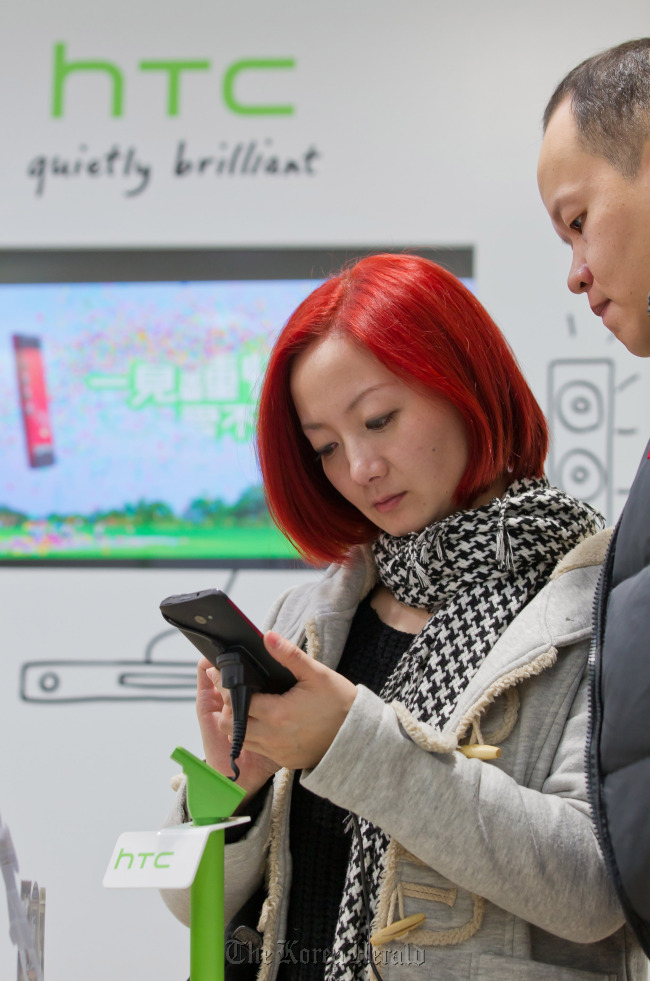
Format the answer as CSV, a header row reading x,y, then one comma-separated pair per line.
x,y
126,419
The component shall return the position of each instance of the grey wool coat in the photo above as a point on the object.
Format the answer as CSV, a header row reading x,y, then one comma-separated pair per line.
x,y
499,855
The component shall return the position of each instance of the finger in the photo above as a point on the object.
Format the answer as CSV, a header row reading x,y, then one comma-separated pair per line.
x,y
224,723
204,681
215,676
209,699
253,740
302,667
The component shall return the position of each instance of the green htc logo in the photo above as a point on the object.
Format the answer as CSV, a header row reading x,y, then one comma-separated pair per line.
x,y
130,857
173,69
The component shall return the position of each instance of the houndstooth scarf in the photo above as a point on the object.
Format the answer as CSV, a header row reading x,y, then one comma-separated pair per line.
x,y
473,571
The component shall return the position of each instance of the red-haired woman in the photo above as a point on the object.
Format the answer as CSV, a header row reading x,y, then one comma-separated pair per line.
x,y
399,442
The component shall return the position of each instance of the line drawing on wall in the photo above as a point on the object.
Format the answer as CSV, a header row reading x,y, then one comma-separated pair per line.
x,y
582,419
154,678
108,681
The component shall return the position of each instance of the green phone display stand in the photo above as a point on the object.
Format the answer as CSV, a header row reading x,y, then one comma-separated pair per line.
x,y
211,797
188,856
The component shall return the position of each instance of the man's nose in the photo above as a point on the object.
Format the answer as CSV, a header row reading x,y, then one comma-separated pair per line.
x,y
580,278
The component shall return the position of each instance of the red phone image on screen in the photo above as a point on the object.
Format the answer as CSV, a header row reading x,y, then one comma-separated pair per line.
x,y
33,400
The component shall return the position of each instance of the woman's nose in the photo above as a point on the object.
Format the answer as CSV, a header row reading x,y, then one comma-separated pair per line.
x,y
365,464
580,278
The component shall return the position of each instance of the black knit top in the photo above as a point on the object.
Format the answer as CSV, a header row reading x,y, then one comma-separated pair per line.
x,y
319,844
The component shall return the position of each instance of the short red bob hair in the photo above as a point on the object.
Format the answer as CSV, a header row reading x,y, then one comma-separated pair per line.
x,y
426,327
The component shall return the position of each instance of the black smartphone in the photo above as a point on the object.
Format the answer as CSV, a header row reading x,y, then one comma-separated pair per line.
x,y
219,630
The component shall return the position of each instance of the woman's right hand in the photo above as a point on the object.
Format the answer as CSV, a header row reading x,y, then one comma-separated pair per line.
x,y
255,769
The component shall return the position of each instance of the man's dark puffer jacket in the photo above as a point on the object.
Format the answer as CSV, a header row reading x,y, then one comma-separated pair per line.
x,y
618,749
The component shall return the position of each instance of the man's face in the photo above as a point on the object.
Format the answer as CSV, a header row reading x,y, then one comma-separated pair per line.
x,y
605,218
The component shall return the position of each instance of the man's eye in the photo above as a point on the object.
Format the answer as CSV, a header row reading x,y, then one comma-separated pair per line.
x,y
577,223
380,423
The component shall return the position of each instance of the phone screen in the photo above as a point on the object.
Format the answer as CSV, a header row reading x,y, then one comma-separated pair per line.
x,y
33,400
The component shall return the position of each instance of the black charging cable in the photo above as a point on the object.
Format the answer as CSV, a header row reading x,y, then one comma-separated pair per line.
x,y
242,682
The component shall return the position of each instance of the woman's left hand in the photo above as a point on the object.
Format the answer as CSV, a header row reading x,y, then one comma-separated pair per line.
x,y
295,729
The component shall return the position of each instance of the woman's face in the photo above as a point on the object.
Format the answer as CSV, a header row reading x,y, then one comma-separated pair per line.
x,y
396,452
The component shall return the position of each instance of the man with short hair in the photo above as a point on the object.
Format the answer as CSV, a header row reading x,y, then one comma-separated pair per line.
x,y
594,178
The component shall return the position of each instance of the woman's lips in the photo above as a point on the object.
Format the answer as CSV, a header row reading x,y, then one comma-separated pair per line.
x,y
603,314
388,503
600,308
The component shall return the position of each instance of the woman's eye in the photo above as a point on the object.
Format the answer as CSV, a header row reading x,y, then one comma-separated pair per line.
x,y
577,223
326,451
380,423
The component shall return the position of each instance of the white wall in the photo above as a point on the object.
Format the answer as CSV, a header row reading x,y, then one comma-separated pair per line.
x,y
425,115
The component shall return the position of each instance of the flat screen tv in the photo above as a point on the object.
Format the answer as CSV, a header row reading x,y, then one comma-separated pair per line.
x,y
128,384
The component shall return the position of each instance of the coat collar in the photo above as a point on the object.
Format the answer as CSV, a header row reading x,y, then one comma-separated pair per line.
x,y
555,617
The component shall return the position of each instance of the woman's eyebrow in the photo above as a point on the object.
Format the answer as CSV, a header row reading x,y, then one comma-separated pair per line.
x,y
350,408
371,388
